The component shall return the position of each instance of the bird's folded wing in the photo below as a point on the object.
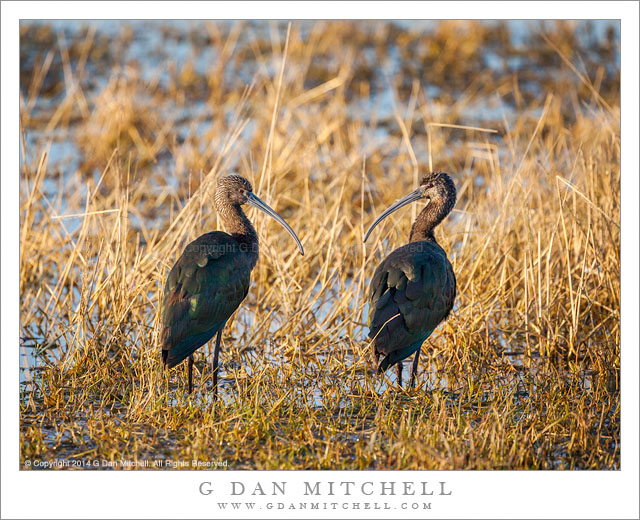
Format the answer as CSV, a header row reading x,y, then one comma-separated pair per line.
x,y
205,286
410,293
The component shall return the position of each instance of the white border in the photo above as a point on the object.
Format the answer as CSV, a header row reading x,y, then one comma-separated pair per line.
x,y
175,494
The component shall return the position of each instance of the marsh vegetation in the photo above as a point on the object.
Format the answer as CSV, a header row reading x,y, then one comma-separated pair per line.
x,y
125,128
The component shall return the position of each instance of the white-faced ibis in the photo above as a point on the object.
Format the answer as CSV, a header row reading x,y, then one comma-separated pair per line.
x,y
413,289
212,277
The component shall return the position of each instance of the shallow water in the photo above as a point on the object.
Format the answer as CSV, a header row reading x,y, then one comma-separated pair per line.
x,y
154,45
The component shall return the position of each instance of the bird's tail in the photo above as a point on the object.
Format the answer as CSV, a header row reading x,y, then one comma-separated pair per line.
x,y
385,363
398,355
178,353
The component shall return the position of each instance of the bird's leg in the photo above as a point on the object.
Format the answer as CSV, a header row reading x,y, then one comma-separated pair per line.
x,y
216,352
399,369
190,373
414,368
166,385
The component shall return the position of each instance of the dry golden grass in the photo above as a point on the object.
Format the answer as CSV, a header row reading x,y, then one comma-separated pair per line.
x,y
523,375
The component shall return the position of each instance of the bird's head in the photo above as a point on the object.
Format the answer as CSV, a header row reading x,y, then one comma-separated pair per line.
x,y
436,187
233,191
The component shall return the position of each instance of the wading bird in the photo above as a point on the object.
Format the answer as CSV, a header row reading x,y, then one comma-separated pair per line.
x,y
413,289
212,277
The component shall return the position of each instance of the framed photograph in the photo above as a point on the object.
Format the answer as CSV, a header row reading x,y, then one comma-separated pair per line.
x,y
283,260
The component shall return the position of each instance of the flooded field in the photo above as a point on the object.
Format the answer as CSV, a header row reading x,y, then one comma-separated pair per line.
x,y
125,127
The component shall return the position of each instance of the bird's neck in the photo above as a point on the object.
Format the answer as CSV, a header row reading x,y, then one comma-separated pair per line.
x,y
427,220
420,233
238,225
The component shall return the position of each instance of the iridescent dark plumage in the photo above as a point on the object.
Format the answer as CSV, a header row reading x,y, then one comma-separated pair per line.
x,y
205,286
212,277
414,288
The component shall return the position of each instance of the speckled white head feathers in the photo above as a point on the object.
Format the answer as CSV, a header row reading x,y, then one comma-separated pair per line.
x,y
440,192
232,189
232,192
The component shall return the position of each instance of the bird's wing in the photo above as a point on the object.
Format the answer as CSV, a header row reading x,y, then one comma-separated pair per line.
x,y
204,287
411,292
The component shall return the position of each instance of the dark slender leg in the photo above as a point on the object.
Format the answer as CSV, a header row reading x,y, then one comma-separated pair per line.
x,y
399,369
190,373
216,352
166,385
414,368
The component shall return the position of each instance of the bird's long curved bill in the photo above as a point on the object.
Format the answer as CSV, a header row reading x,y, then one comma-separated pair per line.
x,y
412,197
262,206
